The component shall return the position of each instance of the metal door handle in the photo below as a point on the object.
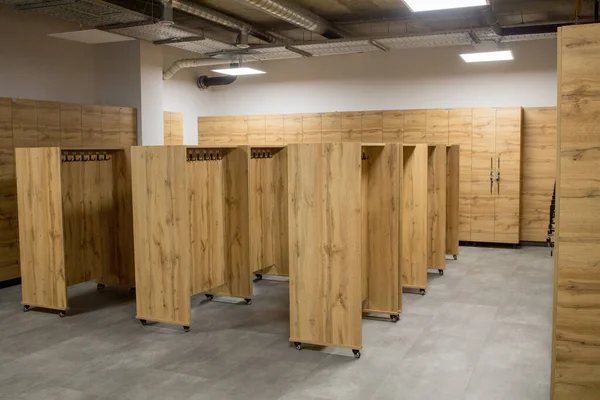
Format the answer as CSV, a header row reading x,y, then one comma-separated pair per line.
x,y
498,176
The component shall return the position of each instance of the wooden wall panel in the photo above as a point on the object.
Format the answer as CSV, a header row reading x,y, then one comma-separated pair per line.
x,y
91,126
482,165
128,127
415,127
575,357
393,126
381,205
325,244
24,122
292,128
42,256
48,124
437,127
372,127
414,217
173,128
206,130
111,127
460,122
436,207
352,127
312,126
452,199
274,130
9,251
257,133
331,127
222,132
539,172
206,193
163,258
70,125
239,131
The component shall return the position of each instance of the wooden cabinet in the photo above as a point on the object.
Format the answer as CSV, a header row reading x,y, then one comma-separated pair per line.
x,y
496,175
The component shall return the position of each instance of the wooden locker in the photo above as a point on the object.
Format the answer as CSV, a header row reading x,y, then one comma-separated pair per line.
x,y
331,127
24,123
460,128
351,127
292,128
415,127
312,125
48,123
257,130
393,126
274,129
70,125
372,127
437,127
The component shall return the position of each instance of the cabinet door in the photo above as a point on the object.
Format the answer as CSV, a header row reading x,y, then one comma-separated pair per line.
x,y
460,126
482,162
508,166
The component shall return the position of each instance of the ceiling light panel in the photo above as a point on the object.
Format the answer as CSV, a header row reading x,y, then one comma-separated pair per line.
x,y
488,57
432,5
242,71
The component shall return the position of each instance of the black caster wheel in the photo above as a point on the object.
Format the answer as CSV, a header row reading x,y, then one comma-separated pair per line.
x,y
62,314
144,322
186,328
210,296
25,308
248,301
356,354
259,277
395,318
441,271
132,290
298,345
422,291
456,257
100,286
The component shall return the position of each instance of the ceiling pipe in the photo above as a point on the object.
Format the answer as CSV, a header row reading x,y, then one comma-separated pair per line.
x,y
221,19
204,82
190,63
298,16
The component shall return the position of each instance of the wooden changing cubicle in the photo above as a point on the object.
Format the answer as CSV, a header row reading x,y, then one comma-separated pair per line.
x,y
75,222
436,208
452,200
191,228
343,240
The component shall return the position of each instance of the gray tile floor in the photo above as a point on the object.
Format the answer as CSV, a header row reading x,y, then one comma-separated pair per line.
x,y
482,332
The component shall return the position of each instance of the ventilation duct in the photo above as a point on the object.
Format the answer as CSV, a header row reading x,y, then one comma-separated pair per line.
x,y
220,19
295,15
204,82
191,63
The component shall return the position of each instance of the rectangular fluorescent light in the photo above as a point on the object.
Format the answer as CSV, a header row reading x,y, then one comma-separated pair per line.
x,y
431,5
239,71
488,57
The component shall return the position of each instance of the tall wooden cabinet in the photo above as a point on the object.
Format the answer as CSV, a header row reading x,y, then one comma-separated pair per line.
x,y
496,175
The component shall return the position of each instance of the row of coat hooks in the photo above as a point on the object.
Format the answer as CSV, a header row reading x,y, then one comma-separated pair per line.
x,y
84,156
261,153
205,154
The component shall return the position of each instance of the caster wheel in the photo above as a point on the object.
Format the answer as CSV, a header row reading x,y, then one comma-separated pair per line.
x,y
422,291
248,301
456,257
356,354
186,328
132,290
298,345
210,296
100,286
259,277
144,322
441,271
25,308
395,318
62,314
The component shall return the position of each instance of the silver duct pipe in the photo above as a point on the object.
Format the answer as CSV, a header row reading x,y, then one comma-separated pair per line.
x,y
295,15
191,63
221,19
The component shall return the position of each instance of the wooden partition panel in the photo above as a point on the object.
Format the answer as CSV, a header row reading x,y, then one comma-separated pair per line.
x,y
163,256
122,272
539,172
173,128
414,217
452,199
576,342
436,207
460,133
41,228
268,211
381,234
325,244
9,231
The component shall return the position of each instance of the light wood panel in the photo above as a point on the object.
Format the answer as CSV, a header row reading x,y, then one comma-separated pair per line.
x,y
460,133
128,127
9,251
331,128
393,126
372,127
292,128
436,207
70,123
206,130
437,127
539,172
575,356
325,244
91,125
414,217
415,127
268,211
173,128
24,123
42,257
452,200
111,127
352,127
381,233
274,130
163,259
257,133
48,124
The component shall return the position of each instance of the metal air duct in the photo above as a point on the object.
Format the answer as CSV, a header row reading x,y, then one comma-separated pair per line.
x,y
204,82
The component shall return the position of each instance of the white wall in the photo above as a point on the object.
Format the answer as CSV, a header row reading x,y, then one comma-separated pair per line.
x,y
35,66
408,79
117,74
180,94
